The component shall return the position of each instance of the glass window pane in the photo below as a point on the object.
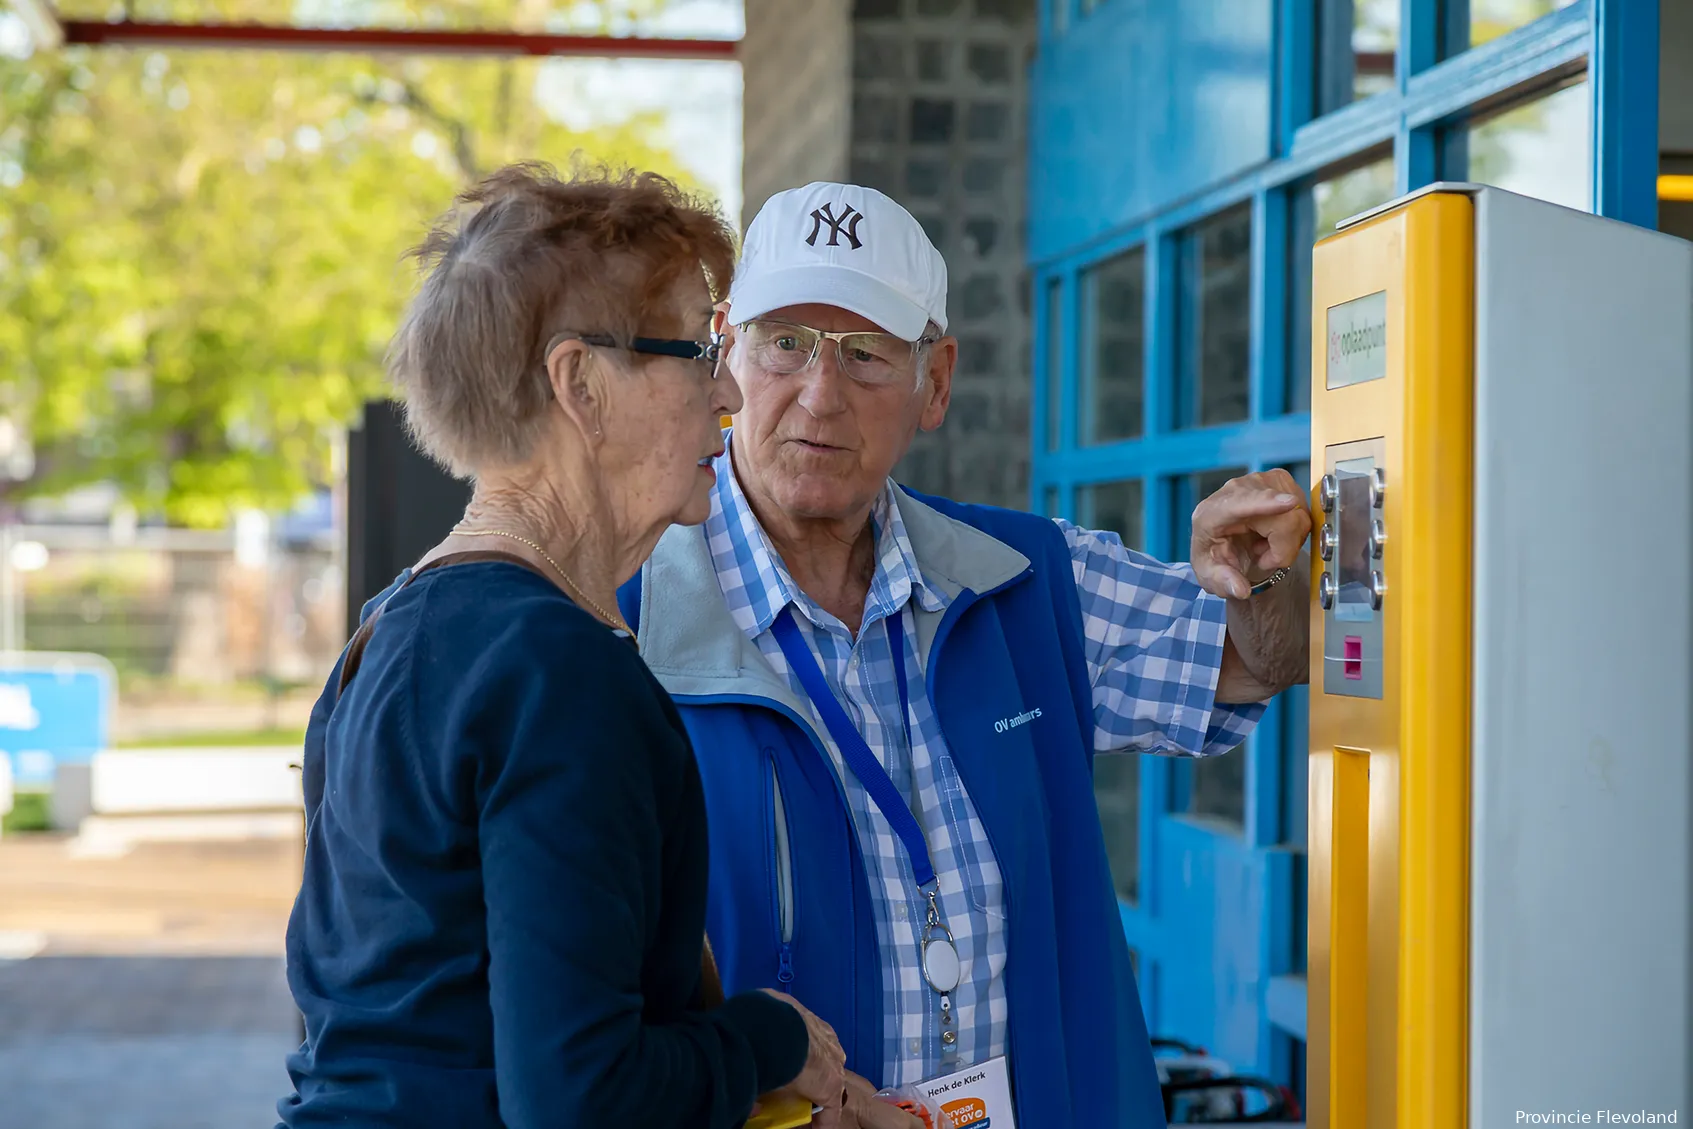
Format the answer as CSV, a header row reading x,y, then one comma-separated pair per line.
x,y
1190,490
1113,357
1054,364
1209,482
1470,23
1216,325
1219,786
1314,215
1113,506
1675,201
1539,148
1219,782
1356,41
1675,217
1297,1054
1296,734
1301,474
1049,502
1348,193
1116,789
1296,765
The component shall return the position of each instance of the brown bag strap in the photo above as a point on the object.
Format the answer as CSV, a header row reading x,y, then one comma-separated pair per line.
x,y
711,984
361,638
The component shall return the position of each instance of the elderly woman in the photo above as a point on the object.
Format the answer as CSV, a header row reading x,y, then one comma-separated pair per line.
x,y
501,921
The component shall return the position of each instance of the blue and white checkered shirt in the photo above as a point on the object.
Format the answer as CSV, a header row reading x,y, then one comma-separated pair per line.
x,y
1154,648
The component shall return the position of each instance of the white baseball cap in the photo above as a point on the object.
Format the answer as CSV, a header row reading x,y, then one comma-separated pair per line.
x,y
841,245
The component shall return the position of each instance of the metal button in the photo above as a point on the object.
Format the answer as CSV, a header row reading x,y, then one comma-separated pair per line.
x,y
1325,590
1378,488
1328,491
1378,538
1327,542
1378,590
949,1037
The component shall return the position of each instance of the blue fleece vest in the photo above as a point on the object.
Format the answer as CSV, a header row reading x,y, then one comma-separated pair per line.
x,y
1080,1058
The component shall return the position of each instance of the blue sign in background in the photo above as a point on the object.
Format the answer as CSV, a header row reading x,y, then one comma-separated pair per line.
x,y
53,710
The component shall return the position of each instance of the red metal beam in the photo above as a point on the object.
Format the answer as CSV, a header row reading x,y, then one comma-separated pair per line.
x,y
376,39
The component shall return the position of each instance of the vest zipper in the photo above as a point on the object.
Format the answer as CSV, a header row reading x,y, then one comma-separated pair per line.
x,y
930,680
784,882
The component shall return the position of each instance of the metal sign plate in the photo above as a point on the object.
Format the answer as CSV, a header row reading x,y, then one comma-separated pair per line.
x,y
54,709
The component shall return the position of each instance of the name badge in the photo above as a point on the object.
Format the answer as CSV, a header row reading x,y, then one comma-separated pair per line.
x,y
977,1097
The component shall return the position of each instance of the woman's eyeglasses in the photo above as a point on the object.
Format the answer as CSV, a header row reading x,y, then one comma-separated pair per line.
x,y
688,350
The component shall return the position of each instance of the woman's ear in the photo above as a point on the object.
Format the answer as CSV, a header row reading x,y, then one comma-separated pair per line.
x,y
578,384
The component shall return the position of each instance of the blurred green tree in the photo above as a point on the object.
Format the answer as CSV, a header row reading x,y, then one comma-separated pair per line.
x,y
201,253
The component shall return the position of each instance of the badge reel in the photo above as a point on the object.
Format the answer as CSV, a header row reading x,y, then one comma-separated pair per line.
x,y
941,966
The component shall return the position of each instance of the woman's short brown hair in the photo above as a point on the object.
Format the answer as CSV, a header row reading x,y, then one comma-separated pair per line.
x,y
524,255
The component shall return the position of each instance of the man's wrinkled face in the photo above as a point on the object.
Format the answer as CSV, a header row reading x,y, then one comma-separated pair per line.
x,y
818,443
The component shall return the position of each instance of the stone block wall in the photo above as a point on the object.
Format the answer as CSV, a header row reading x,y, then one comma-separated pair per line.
x,y
936,112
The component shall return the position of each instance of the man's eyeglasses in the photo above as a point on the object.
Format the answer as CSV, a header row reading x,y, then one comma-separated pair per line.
x,y
708,352
876,359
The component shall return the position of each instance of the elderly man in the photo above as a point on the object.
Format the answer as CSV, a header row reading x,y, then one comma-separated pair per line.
x,y
895,700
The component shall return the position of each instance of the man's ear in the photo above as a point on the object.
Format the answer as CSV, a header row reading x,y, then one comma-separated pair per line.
x,y
723,328
937,388
578,384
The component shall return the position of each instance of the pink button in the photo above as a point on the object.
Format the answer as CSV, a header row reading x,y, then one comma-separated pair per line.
x,y
1355,657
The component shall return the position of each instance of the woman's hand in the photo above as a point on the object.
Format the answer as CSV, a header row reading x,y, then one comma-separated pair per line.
x,y
823,1080
864,1110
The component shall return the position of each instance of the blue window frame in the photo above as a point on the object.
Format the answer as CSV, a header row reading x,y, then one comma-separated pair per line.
x,y
1144,395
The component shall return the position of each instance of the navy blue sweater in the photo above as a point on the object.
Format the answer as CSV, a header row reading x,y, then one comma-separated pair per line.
x,y
504,896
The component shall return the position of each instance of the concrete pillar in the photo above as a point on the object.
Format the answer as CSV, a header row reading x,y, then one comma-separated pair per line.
x,y
796,87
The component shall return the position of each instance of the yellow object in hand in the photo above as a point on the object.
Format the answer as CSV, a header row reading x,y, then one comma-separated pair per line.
x,y
781,1111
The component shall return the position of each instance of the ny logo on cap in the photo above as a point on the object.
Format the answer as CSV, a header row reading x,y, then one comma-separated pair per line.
x,y
844,224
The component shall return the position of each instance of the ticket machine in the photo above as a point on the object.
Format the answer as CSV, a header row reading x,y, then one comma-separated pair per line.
x,y
1501,782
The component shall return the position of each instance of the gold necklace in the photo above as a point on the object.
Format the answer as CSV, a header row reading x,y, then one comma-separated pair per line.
x,y
570,583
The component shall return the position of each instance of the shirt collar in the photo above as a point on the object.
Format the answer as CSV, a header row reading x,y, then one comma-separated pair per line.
x,y
757,585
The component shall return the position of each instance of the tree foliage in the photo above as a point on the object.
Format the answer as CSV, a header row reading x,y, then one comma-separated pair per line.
x,y
201,253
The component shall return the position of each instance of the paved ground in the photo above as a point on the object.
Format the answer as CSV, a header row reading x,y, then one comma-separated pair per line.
x,y
155,997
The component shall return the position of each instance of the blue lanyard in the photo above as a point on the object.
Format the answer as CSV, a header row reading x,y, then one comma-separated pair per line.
x,y
855,751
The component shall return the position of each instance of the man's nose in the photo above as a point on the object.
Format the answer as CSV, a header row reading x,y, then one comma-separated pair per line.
x,y
823,381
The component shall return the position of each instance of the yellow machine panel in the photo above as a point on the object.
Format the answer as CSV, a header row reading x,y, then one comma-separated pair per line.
x,y
1391,449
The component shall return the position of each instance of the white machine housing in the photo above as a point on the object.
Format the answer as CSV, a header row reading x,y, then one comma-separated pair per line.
x,y
1581,928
